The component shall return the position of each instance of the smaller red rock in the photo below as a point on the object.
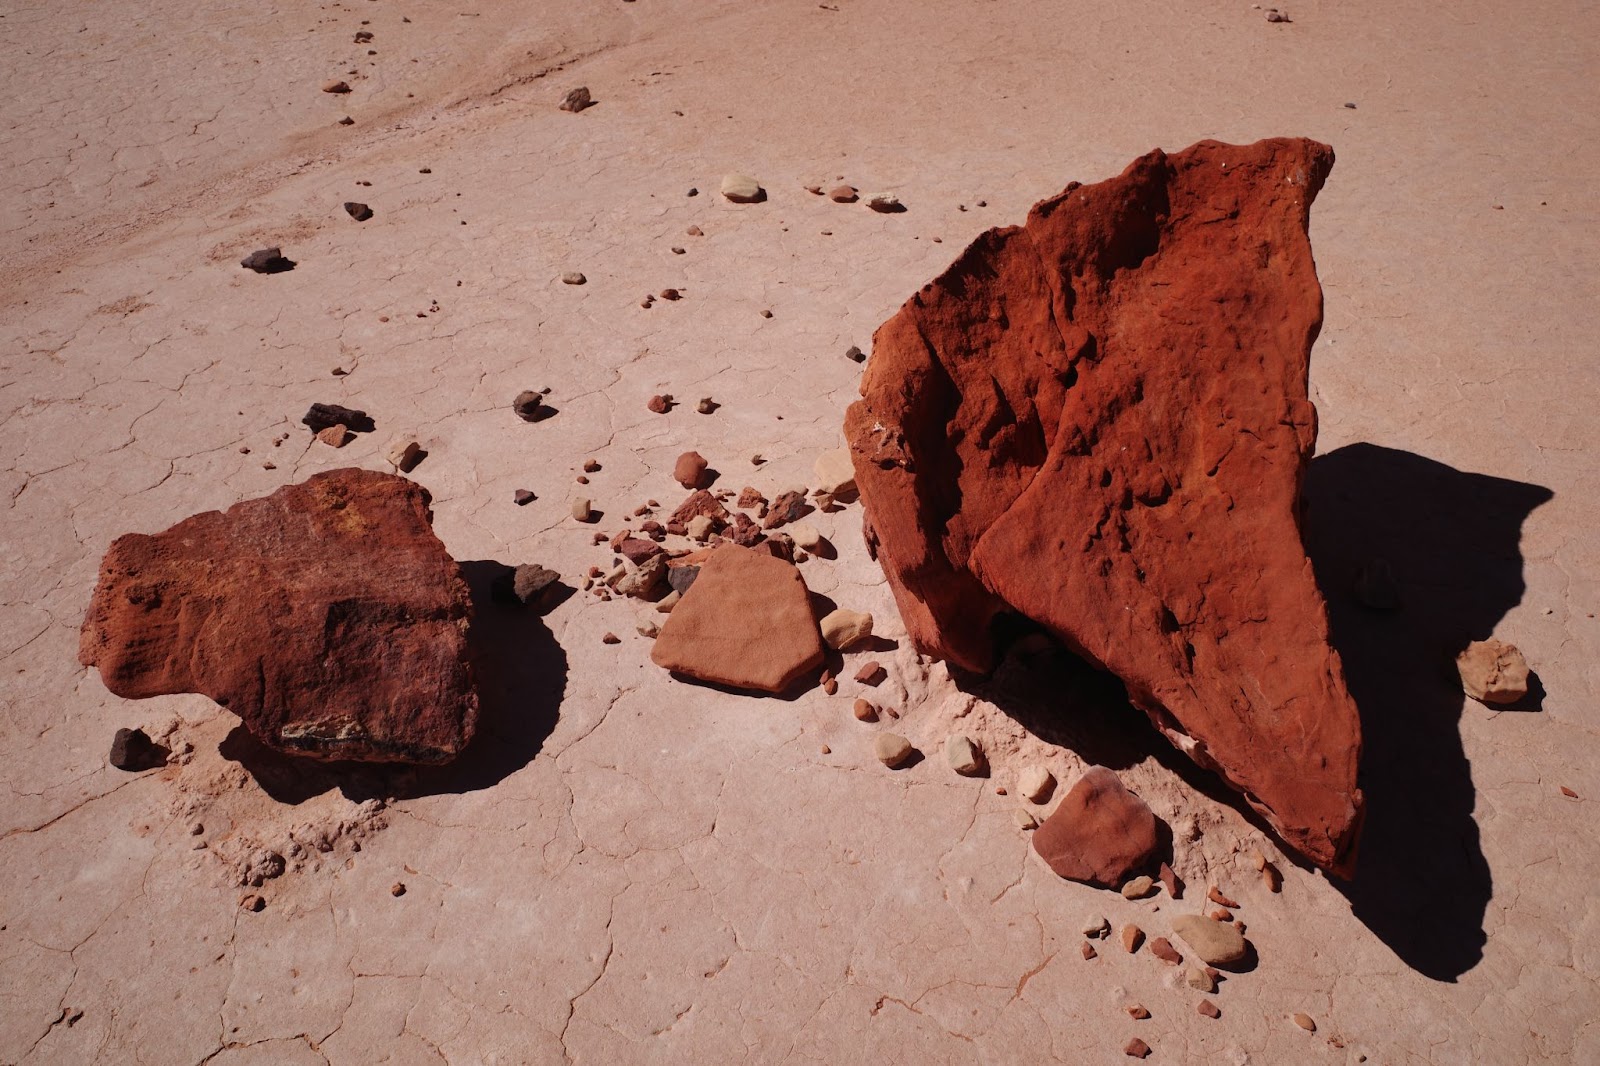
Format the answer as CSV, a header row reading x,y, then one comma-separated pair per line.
x,y
1132,937
1138,1013
872,674
1567,792
1162,949
397,889
1214,894
690,470
1088,951
1209,1009
1169,880
660,404
1136,1049
611,638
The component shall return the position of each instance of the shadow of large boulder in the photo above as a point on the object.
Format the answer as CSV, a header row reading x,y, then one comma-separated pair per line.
x,y
1452,540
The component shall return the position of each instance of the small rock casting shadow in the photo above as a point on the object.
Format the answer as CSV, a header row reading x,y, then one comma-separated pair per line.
x,y
1452,539
522,676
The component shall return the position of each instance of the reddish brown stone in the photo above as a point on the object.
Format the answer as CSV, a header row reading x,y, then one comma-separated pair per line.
x,y
1100,421
327,616
699,502
1088,951
1162,949
1170,881
787,507
746,622
637,550
745,533
871,674
1209,1009
1214,894
690,470
1136,1049
1100,834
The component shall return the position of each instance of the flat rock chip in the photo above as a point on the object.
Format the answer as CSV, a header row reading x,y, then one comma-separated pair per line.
x,y
322,416
327,616
1214,943
742,189
746,622
1100,833
1493,671
1150,366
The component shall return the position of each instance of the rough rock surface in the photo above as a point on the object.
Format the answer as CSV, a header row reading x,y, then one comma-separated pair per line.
x,y
327,616
1216,943
746,622
1100,421
1493,672
1100,833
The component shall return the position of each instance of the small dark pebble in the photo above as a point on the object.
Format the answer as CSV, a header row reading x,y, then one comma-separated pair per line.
x,y
323,415
133,750
855,354
523,497
347,121
359,212
267,261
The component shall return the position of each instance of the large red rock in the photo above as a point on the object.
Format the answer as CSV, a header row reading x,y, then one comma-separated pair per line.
x,y
1100,834
1099,420
746,622
327,616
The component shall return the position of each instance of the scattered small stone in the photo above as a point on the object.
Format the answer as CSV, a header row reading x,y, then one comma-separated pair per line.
x,y
814,190
648,629
347,121
1138,1013
648,300
757,460
836,474
788,507
267,261
830,684
666,603
660,404
582,510
1088,951
1138,888
963,754
843,194
690,470
692,192
1024,819
825,750
580,479
1272,878
322,415
523,497
1096,926
1214,894
1169,881
1035,783
576,99
855,355
742,189
871,674
892,749
1376,587
842,627
133,750
1567,792
706,405
1493,672
573,277
695,231
1274,15
334,436
1209,1009
701,527
334,85
1220,915
806,537
1215,943
885,204
1162,949
397,889
1304,1021
865,711
611,638
1136,1049
1350,105
1200,980
1132,937
363,36
253,903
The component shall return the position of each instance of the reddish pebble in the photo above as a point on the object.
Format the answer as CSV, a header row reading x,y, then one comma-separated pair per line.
x,y
1209,1009
1138,1013
1089,951
1214,894
1132,937
397,889
1162,949
1136,1049
872,674
1169,880
660,404
1220,915
611,638
1304,1021
1567,792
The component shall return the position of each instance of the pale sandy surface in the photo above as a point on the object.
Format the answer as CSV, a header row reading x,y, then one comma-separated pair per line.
x,y
675,874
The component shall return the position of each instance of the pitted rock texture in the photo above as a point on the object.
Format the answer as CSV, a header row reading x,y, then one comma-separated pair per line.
x,y
745,622
327,616
1100,421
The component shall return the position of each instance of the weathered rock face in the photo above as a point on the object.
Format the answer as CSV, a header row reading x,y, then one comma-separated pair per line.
x,y
327,616
745,622
1100,421
1100,834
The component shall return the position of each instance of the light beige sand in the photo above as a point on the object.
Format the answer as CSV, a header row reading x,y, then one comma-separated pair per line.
x,y
675,874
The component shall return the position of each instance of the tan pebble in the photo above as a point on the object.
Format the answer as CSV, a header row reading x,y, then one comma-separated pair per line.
x,y
582,510
1304,1021
1271,878
1096,926
1000,790
826,750
591,465
1036,783
830,685
1220,915
841,628
1199,980
666,603
892,749
1024,819
1257,859
1138,888
648,629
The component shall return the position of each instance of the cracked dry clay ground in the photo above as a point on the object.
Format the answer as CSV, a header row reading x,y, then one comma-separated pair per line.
x,y
673,873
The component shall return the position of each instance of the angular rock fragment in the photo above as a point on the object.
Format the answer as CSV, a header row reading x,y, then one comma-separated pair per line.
x,y
323,416
404,454
358,211
327,616
1100,833
1100,421
529,405
892,749
742,189
842,628
963,755
529,584
746,622
1493,672
1215,943
133,750
577,99
267,261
